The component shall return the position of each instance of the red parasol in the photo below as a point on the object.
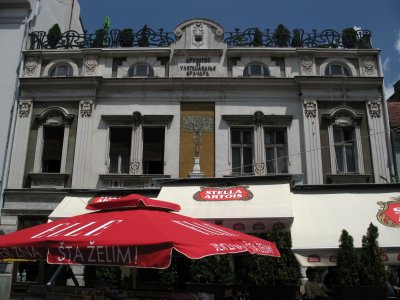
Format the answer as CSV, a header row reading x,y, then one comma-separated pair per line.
x,y
133,231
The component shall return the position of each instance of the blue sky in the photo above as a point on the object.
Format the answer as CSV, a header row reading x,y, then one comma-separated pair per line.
x,y
382,17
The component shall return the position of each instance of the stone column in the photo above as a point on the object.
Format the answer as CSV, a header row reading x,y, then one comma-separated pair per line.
x,y
20,144
312,143
259,147
379,148
82,156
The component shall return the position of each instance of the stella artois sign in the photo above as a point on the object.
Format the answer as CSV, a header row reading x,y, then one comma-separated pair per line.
x,y
240,192
389,214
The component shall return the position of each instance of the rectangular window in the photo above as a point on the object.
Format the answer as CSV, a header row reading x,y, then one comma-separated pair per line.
x,y
345,150
120,149
153,150
53,138
242,151
276,150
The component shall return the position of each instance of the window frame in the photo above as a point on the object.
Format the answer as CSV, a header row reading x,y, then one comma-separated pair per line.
x,y
241,147
343,68
132,72
275,147
262,71
53,70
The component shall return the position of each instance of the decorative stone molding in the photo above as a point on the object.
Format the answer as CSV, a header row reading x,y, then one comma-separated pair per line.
x,y
307,63
310,109
259,168
137,118
90,63
32,66
258,117
86,107
24,108
374,109
368,64
198,33
134,167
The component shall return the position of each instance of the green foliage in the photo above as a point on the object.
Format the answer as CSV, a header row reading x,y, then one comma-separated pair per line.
x,y
144,38
281,36
93,274
257,40
347,262
393,179
272,271
212,269
349,38
125,37
372,271
53,36
296,41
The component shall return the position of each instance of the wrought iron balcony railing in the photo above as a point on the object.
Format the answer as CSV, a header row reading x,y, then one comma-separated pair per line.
x,y
252,37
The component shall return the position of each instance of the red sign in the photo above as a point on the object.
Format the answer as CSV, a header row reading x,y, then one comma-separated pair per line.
x,y
389,214
240,192
313,258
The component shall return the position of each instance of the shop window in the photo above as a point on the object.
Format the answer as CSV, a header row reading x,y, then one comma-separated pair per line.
x,y
336,70
63,70
141,70
256,70
242,150
345,150
276,153
153,150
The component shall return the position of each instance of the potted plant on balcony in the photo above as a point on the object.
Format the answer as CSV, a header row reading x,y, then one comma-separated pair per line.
x,y
213,275
125,37
349,38
257,40
281,36
54,36
274,278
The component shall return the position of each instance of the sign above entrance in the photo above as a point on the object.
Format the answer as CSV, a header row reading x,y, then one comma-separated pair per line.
x,y
223,193
389,214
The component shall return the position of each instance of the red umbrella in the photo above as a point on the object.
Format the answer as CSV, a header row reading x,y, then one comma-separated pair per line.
x,y
132,231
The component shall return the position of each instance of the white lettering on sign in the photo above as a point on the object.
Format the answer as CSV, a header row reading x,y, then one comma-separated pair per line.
x,y
253,247
204,228
20,252
70,229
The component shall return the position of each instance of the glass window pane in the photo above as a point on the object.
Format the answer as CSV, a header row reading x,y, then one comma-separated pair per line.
x,y
270,157
339,159
246,72
346,72
350,159
282,159
265,72
348,135
247,137
337,135
235,160
141,70
255,70
235,136
336,70
268,137
280,137
248,160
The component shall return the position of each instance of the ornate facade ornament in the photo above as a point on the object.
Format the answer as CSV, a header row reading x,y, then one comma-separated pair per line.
x,y
310,109
24,109
388,213
90,63
374,109
200,124
31,66
368,63
307,64
134,167
137,118
259,168
258,117
86,107
198,32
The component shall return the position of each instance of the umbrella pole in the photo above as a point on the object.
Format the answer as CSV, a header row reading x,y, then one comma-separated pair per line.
x,y
53,278
134,273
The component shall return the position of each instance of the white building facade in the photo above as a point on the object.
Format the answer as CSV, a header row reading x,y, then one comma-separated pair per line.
x,y
200,103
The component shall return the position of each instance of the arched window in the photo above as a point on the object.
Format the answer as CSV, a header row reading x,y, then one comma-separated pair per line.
x,y
141,69
61,70
337,70
256,70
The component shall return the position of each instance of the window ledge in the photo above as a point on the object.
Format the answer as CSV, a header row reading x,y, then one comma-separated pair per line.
x,y
348,178
48,180
127,181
